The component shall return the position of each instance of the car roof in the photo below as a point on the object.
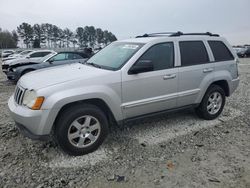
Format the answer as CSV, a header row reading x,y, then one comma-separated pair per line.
x,y
146,38
159,39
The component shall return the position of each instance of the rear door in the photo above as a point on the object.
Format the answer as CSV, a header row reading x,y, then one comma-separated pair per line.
x,y
195,67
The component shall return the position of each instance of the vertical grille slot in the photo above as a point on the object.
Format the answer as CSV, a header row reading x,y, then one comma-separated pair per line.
x,y
18,95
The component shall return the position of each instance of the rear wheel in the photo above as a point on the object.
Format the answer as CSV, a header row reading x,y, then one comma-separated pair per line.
x,y
212,103
81,129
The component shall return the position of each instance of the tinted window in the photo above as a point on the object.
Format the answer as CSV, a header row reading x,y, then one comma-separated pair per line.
x,y
72,56
193,53
161,55
60,57
44,54
39,54
220,51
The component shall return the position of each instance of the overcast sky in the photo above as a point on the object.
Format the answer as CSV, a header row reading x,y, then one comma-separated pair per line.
x,y
127,18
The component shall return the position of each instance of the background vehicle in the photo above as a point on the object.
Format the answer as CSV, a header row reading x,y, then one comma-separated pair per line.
x,y
242,51
32,56
127,80
247,52
17,55
6,53
15,71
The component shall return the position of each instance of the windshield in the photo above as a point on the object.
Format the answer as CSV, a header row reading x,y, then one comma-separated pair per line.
x,y
42,59
114,56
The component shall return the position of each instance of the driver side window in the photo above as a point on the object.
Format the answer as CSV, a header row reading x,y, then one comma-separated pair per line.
x,y
59,57
161,55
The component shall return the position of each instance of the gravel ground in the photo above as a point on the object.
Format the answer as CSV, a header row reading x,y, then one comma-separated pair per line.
x,y
173,150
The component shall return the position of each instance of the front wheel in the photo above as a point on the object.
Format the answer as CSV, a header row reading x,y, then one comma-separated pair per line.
x,y
81,129
212,103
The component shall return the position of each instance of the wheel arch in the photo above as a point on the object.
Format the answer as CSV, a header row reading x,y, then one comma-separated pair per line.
x,y
95,101
224,85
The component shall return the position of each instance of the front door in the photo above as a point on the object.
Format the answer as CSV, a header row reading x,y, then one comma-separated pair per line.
x,y
153,91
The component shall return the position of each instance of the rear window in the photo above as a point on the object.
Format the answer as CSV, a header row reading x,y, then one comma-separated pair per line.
x,y
220,51
193,53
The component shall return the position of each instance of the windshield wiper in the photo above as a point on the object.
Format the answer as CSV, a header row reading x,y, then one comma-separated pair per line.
x,y
93,64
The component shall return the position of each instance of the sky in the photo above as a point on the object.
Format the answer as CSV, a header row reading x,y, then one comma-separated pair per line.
x,y
128,18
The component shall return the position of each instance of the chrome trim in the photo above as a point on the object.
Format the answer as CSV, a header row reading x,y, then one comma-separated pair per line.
x,y
159,99
18,94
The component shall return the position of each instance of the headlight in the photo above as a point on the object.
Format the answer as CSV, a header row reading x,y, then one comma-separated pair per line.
x,y
31,100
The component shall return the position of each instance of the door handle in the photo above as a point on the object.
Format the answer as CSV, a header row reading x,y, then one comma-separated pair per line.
x,y
208,70
169,76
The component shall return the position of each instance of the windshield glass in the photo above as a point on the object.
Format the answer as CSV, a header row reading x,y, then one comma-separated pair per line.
x,y
114,56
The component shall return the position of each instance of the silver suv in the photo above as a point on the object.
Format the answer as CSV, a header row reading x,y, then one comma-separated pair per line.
x,y
133,78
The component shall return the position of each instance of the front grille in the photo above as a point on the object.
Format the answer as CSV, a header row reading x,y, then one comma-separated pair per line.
x,y
18,95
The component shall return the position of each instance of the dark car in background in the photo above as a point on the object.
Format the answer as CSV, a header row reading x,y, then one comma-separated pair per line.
x,y
247,52
242,51
15,71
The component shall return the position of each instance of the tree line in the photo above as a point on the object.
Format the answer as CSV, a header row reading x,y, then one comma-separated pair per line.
x,y
8,39
52,36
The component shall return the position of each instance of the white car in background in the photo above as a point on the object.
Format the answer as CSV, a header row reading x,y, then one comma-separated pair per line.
x,y
17,55
35,55
6,53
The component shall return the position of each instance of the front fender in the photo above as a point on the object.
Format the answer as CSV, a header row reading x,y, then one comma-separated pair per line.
x,y
59,99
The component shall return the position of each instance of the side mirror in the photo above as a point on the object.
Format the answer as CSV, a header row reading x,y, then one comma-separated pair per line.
x,y
50,60
141,66
27,57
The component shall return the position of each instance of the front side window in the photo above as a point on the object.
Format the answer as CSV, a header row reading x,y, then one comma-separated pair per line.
x,y
115,55
60,57
161,56
193,53
220,51
36,54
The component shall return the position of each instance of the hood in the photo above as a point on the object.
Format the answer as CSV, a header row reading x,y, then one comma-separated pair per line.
x,y
15,61
23,62
55,75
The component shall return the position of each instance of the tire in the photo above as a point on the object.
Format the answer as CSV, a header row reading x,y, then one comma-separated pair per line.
x,y
81,129
211,106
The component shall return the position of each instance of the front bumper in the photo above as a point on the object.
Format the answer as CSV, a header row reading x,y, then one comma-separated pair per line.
x,y
30,122
27,133
12,75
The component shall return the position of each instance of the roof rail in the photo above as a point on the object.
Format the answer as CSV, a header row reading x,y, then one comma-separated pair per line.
x,y
176,34
156,34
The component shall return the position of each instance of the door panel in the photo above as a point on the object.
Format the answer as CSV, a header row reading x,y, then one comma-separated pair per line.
x,y
190,82
195,69
149,92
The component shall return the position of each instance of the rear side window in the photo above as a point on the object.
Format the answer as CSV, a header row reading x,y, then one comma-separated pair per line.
x,y
193,53
220,51
162,56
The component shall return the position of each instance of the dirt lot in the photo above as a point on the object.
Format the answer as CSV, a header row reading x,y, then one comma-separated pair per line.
x,y
173,150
